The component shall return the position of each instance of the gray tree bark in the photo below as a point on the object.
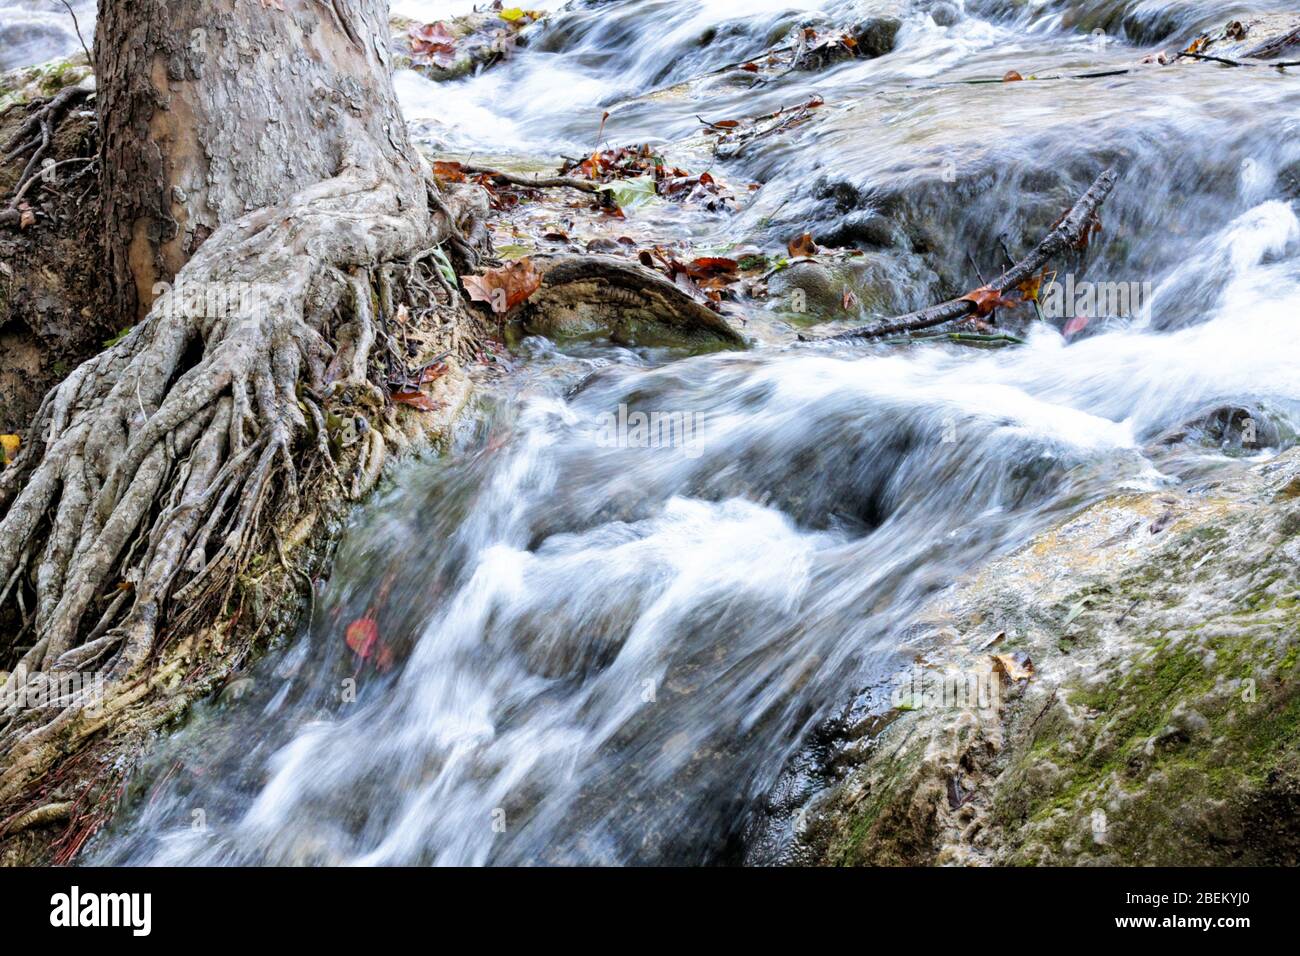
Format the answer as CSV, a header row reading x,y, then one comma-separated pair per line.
x,y
211,109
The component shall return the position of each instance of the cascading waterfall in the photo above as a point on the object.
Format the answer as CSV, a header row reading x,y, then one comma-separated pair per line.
x,y
606,641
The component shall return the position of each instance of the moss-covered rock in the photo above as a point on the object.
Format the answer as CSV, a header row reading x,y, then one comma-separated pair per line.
x,y
849,287
1161,725
46,79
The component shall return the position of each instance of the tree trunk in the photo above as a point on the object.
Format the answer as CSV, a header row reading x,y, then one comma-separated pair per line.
x,y
254,155
211,109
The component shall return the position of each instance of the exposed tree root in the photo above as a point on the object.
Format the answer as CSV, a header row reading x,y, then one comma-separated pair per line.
x,y
156,471
35,137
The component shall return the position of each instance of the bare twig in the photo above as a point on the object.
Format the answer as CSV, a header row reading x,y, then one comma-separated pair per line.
x,y
1229,62
90,61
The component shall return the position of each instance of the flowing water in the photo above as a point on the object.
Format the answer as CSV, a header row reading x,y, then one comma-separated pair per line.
x,y
600,652
34,31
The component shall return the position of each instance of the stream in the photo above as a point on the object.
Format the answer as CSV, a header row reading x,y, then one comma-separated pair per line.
x,y
597,649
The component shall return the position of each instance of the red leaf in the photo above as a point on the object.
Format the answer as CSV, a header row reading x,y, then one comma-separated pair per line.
x,y
504,288
416,399
432,373
449,172
802,247
986,299
362,635
432,43
713,265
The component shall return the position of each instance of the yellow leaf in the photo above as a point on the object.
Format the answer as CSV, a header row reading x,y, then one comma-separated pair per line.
x,y
9,445
1032,287
1015,667
512,14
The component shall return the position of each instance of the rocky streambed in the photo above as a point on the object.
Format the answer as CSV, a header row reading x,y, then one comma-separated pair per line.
x,y
900,602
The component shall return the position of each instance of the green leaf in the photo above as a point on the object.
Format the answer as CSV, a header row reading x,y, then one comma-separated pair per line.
x,y
444,267
630,193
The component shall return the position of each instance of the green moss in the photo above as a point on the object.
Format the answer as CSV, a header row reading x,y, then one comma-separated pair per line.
x,y
1172,781
59,75
883,826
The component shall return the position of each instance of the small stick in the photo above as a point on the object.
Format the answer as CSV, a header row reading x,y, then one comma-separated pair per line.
x,y
90,61
1227,62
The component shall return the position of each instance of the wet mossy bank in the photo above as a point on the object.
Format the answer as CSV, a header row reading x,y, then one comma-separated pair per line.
x,y
1161,725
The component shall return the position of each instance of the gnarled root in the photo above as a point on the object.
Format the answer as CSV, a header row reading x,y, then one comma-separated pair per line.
x,y
155,471
34,139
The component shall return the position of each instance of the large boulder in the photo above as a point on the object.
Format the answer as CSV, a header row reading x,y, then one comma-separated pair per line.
x,y
1144,698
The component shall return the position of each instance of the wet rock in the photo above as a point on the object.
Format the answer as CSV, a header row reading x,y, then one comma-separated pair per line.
x,y
877,284
865,227
1140,22
876,36
595,296
944,13
1264,37
604,245
872,36
821,289
1146,745
1241,429
477,40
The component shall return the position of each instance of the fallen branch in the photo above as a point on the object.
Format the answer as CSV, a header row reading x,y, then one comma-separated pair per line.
x,y
537,182
1206,57
1067,233
961,338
